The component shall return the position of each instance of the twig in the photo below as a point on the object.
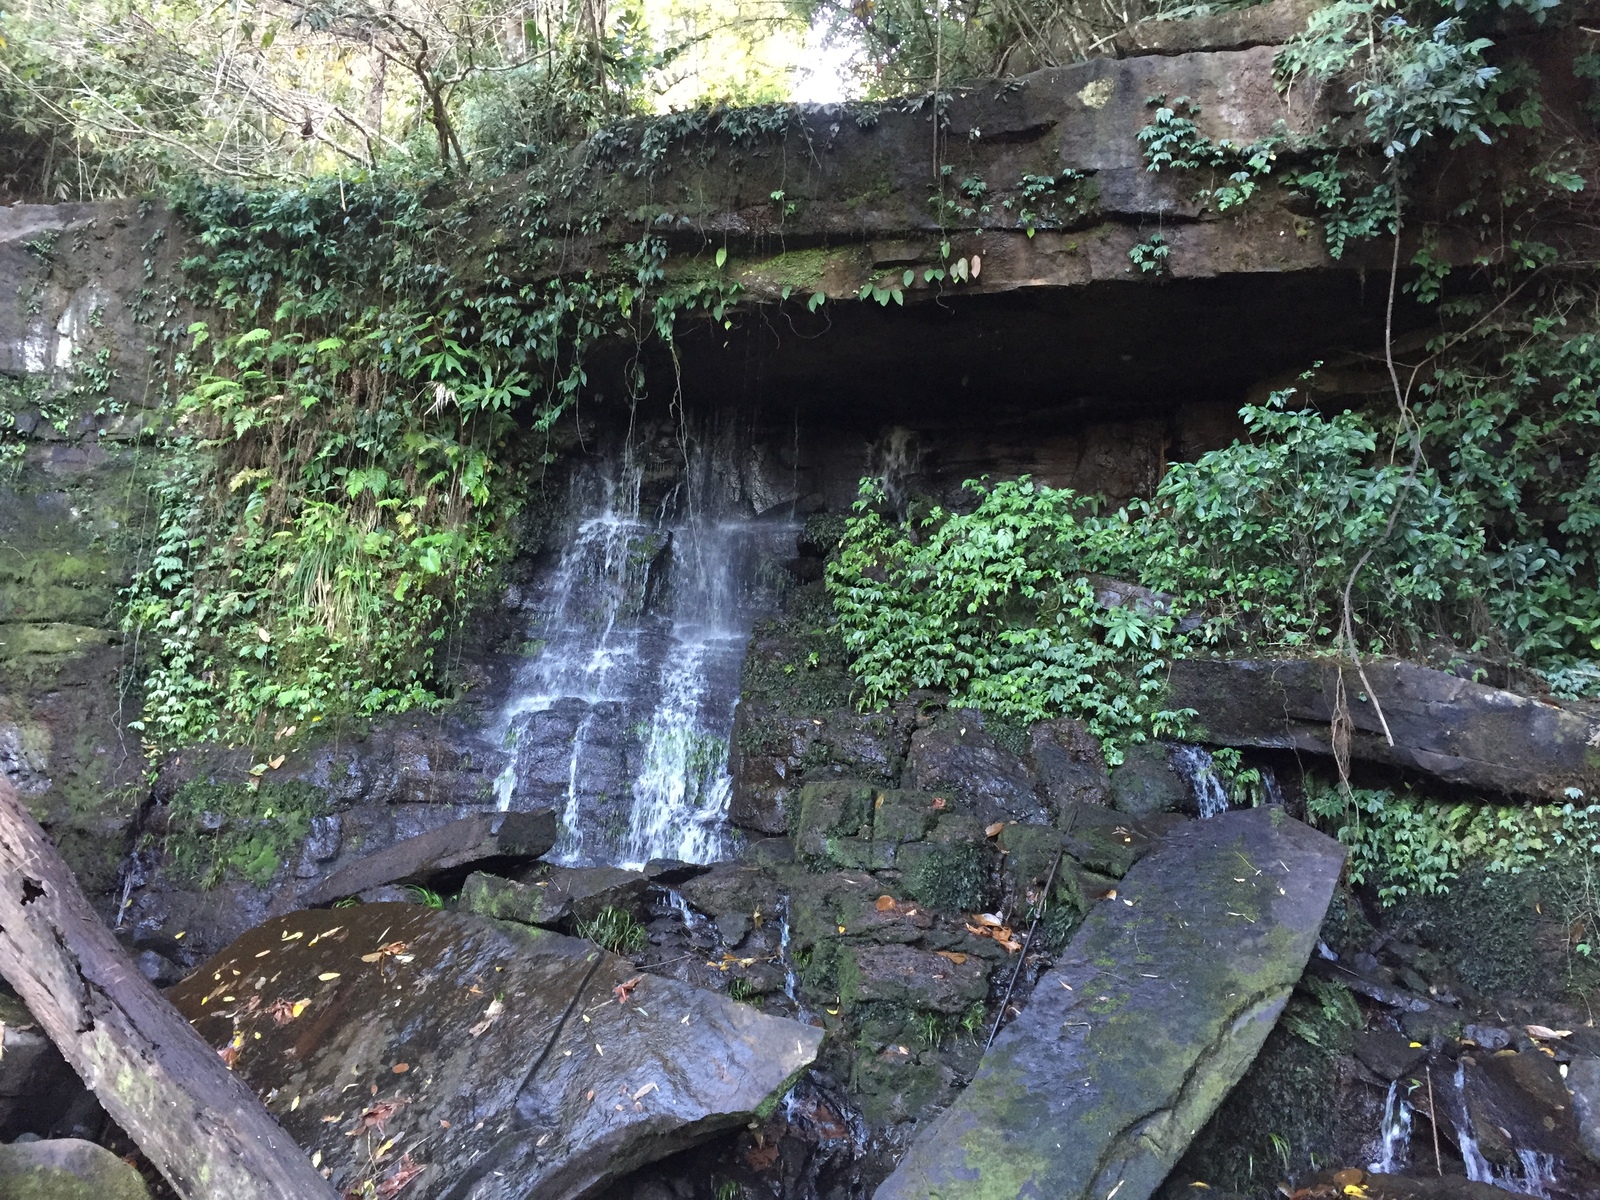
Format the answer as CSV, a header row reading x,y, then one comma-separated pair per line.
x,y
1044,906
1433,1122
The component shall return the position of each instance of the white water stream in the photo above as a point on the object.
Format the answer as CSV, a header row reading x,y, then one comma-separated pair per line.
x,y
621,717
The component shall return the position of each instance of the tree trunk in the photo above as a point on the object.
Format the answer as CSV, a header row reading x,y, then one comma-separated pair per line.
x,y
198,1123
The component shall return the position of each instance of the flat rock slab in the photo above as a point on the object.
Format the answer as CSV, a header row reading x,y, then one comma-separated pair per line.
x,y
1153,1013
483,839
465,1058
1451,728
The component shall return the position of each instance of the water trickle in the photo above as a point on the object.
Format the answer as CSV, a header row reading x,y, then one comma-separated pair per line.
x,y
621,717
791,978
1538,1170
1395,1136
1196,764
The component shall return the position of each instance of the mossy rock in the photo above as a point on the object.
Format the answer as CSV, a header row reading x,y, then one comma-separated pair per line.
x,y
831,810
951,869
67,1169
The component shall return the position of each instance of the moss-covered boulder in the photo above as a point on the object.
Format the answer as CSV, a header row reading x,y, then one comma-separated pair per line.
x,y
67,1169
1132,1040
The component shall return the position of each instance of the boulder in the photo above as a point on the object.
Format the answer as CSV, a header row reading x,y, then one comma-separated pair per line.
x,y
458,1056
913,978
483,839
36,1085
67,1169
1145,782
1066,759
1151,1015
956,757
1453,729
555,896
1583,1080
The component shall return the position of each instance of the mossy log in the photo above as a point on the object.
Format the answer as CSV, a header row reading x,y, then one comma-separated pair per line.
x,y
198,1123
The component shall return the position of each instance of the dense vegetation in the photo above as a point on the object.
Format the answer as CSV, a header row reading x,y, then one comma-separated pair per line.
x,y
1453,519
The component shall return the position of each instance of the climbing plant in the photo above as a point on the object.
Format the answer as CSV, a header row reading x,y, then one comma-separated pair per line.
x,y
342,472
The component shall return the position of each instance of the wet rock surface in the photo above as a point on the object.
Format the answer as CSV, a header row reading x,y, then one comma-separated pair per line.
x,y
555,896
467,1058
1452,729
484,839
1132,1039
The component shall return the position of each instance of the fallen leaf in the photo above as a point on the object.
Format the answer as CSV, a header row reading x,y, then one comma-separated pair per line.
x,y
952,955
327,975
995,829
643,1092
885,903
276,762
298,1007
988,919
376,1116
938,801
625,989
1545,1033
405,1171
400,1068
490,1016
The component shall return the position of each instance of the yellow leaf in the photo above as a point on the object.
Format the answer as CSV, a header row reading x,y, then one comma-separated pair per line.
x,y
298,1007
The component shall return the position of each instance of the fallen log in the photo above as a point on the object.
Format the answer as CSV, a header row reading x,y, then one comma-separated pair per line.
x,y
198,1123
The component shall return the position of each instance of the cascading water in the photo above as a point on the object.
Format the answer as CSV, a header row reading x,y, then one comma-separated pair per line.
x,y
1212,793
622,716
1538,1170
1394,1146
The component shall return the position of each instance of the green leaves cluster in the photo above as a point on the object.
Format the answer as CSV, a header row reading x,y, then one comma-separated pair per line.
x,y
1010,606
1406,844
343,468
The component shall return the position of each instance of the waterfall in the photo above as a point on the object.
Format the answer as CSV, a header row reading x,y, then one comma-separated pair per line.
x,y
1197,765
1213,793
621,717
1395,1136
1538,1170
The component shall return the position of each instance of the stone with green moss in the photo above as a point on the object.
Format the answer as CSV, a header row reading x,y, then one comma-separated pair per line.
x,y
67,1169
1131,1041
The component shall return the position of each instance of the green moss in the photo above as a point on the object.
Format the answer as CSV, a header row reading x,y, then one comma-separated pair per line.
x,y
802,269
215,830
950,871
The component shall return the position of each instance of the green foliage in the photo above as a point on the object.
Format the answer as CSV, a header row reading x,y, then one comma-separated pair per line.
x,y
1405,844
618,930
994,607
426,897
343,468
1253,546
743,991
1151,255
245,831
1173,142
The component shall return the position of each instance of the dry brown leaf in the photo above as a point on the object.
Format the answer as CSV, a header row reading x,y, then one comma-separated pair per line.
x,y
400,1068
490,1016
1545,1033
938,801
885,903
952,955
995,829
988,919
625,989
